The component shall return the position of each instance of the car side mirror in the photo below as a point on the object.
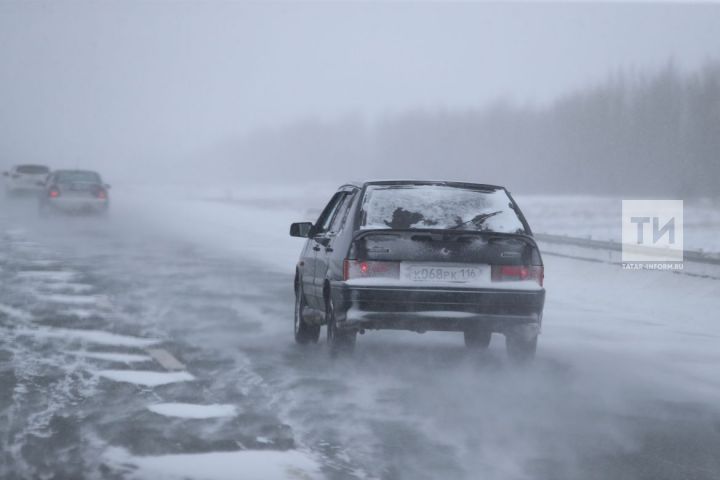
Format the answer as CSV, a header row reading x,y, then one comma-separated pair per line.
x,y
301,229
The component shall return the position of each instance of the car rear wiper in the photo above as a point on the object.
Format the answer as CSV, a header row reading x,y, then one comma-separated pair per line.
x,y
477,220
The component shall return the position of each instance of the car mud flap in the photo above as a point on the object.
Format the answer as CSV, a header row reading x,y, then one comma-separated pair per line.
x,y
312,316
526,331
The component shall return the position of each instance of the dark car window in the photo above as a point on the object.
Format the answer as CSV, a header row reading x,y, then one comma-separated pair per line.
x,y
439,207
33,170
79,176
341,213
323,222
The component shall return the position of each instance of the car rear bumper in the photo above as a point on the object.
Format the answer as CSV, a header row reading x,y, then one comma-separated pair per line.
x,y
436,308
78,205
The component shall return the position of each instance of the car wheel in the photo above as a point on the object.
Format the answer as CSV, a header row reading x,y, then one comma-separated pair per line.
x,y
521,349
304,333
339,340
477,338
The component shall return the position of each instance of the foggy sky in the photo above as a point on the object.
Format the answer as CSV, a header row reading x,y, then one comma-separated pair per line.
x,y
124,86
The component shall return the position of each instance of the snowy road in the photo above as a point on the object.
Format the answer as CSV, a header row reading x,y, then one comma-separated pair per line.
x,y
156,344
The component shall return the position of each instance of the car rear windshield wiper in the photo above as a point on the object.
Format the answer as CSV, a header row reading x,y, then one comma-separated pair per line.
x,y
477,220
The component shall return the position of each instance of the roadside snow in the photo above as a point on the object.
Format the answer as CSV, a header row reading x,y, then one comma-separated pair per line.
x,y
189,410
248,223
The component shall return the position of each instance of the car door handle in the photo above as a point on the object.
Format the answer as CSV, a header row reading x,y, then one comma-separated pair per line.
x,y
316,248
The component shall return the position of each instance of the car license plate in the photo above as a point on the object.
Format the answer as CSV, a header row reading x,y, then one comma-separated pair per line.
x,y
444,273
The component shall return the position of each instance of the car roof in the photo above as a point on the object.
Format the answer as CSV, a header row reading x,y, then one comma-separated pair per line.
x,y
30,165
480,186
76,171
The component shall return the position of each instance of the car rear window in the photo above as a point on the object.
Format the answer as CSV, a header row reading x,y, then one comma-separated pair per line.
x,y
438,207
80,177
33,170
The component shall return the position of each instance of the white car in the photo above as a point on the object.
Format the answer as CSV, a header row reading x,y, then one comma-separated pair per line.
x,y
25,178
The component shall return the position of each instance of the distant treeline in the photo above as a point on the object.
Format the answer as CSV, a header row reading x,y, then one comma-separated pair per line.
x,y
642,134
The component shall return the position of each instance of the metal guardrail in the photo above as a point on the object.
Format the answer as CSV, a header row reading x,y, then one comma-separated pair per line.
x,y
690,255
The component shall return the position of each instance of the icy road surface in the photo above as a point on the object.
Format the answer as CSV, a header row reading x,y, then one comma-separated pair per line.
x,y
156,344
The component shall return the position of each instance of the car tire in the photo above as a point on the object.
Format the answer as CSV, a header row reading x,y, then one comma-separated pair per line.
x,y
304,333
521,349
339,341
477,338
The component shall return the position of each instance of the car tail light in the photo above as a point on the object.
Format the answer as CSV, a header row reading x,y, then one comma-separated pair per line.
x,y
54,193
101,194
370,269
509,273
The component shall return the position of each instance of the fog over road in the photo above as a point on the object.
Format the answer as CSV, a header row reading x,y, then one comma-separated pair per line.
x,y
133,348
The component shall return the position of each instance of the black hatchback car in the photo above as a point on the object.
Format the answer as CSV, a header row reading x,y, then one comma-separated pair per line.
x,y
74,191
420,255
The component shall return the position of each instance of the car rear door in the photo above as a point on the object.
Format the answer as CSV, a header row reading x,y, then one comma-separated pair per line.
x,y
317,244
327,241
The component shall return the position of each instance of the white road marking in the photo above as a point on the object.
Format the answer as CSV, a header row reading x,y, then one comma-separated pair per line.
x,y
146,378
90,336
245,464
166,359
112,356
193,411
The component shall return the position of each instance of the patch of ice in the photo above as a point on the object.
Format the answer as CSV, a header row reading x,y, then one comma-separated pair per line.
x,y
44,263
15,232
47,276
70,299
91,336
113,357
189,410
81,313
13,312
244,464
146,378
68,287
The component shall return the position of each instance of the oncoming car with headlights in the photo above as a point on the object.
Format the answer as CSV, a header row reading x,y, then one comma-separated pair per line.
x,y
420,256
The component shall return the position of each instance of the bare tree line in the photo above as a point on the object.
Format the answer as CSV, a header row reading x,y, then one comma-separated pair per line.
x,y
635,133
